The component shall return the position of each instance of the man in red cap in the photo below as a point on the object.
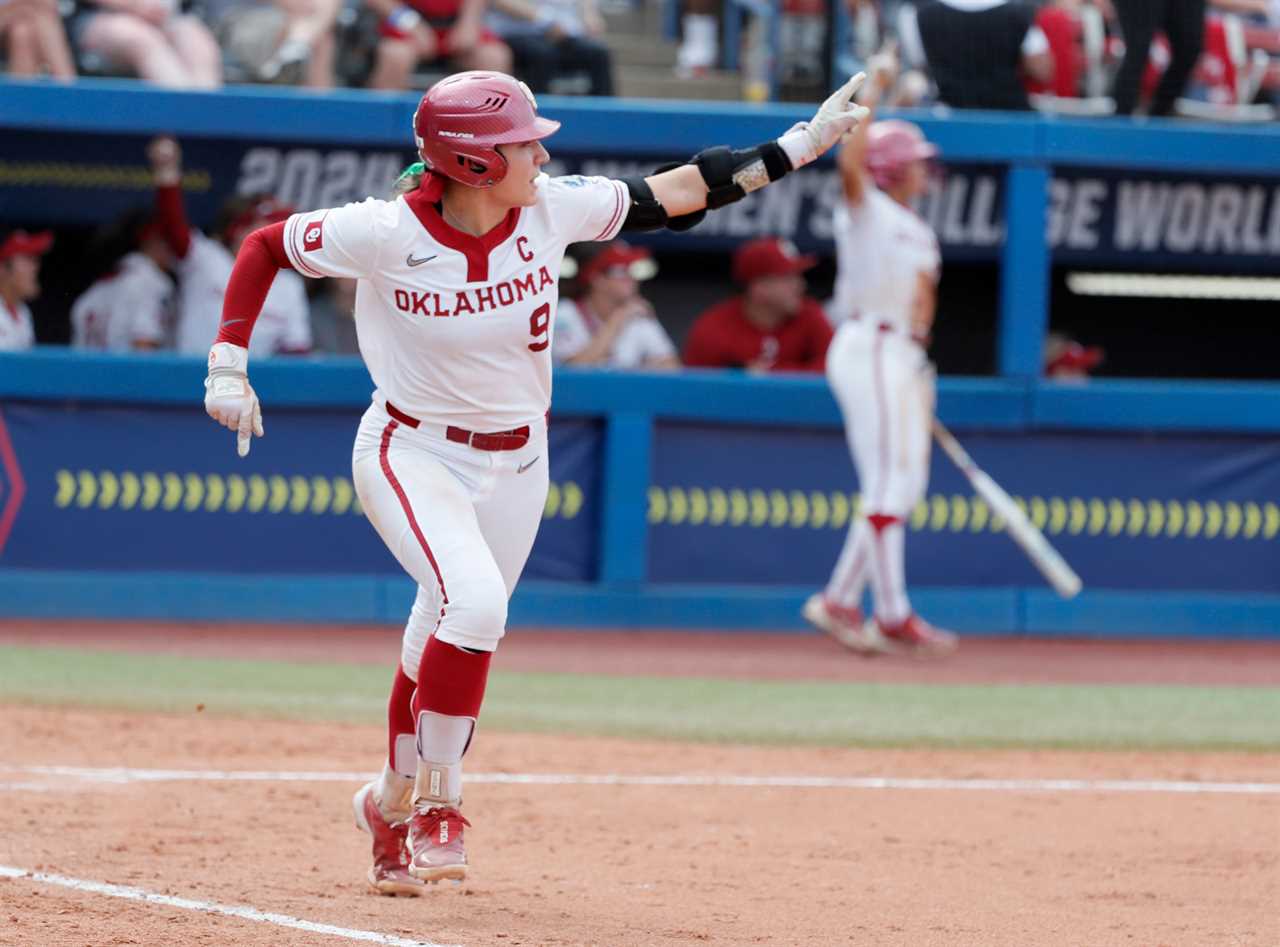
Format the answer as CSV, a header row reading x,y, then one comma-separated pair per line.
x,y
610,323
20,254
772,326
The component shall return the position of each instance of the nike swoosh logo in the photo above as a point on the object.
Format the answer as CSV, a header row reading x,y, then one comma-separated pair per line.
x,y
418,261
523,467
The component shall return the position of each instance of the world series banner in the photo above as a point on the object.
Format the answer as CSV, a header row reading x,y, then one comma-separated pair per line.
x,y
1114,218
161,489
1167,512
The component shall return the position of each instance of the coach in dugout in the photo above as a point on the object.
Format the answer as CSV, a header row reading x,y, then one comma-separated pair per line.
x,y
20,254
609,324
773,325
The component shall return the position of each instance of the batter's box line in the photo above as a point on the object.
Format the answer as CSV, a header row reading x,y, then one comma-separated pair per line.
x,y
243,912
123,775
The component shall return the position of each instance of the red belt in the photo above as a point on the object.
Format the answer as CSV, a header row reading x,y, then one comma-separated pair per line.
x,y
514,439
890,327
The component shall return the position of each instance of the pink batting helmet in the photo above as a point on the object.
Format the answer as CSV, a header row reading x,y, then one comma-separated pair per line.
x,y
891,146
462,119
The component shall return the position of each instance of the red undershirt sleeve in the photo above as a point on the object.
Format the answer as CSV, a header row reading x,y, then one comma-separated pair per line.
x,y
261,256
173,219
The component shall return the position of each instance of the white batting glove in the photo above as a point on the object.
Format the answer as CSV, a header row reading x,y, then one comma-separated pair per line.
x,y
229,398
836,117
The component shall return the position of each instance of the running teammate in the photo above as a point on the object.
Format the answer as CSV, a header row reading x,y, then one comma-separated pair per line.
x,y
886,291
457,287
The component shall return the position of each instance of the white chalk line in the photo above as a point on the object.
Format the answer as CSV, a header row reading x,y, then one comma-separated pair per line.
x,y
1194,787
212,907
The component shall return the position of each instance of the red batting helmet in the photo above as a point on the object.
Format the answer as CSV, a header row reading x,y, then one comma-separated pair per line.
x,y
462,119
891,146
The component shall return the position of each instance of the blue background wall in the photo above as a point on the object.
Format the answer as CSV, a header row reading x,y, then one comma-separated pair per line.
x,y
704,500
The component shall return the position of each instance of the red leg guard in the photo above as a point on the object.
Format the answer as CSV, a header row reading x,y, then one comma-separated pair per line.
x,y
450,681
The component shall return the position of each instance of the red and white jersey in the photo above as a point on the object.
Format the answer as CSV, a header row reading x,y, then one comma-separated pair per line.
x,y
456,328
881,249
127,306
283,326
16,331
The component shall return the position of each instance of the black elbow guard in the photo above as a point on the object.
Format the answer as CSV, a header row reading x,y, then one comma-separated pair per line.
x,y
647,212
731,175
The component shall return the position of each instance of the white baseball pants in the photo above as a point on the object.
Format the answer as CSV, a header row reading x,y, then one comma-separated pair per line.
x,y
886,390
461,521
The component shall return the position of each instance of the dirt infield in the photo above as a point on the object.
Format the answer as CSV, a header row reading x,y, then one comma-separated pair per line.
x,y
814,858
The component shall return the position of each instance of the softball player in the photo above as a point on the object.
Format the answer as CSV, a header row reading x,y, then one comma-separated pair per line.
x,y
457,286
886,290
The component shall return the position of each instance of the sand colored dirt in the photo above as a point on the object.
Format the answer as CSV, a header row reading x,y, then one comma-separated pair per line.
x,y
641,866
633,865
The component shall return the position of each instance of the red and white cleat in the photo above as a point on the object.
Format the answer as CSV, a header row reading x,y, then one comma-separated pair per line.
x,y
436,851
389,873
917,636
844,625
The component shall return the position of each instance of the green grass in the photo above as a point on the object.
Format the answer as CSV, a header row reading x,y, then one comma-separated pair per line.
x,y
809,713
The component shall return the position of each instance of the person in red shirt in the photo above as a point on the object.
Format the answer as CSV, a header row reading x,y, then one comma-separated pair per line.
x,y
772,326
448,32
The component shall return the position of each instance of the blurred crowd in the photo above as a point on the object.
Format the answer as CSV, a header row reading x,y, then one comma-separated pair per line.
x,y
1201,58
1205,58
318,44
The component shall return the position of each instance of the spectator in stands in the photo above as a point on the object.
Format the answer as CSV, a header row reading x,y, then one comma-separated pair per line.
x,y
152,38
552,38
20,254
773,325
289,42
448,32
610,323
699,50
128,308
204,265
1059,21
34,40
1182,22
978,51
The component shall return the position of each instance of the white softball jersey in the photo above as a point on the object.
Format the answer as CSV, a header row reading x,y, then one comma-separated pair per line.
x,y
456,328
881,248
283,326
124,307
16,330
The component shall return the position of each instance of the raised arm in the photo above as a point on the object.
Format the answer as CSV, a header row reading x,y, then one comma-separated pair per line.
x,y
166,173
853,152
719,176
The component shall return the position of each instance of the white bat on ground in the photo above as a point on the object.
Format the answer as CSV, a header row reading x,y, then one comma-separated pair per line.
x,y
1045,558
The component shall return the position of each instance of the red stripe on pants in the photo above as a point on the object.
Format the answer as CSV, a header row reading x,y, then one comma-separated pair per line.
x,y
385,461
